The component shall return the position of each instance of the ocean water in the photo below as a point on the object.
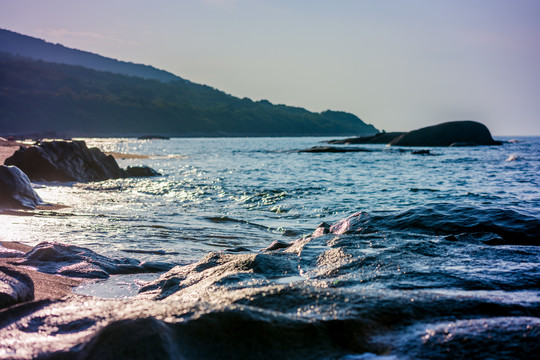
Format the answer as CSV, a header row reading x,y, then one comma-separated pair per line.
x,y
457,225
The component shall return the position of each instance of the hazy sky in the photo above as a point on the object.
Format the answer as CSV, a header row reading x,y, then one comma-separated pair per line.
x,y
397,64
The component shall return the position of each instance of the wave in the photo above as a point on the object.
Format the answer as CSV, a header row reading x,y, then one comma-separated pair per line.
x,y
499,225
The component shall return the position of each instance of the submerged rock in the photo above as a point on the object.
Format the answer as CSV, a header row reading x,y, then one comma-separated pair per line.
x,y
421,152
16,189
67,161
15,287
331,149
468,133
75,261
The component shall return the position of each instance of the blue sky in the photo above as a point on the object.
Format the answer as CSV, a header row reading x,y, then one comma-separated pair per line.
x,y
396,64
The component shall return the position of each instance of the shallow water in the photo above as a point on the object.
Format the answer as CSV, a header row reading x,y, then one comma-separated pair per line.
x,y
222,193
455,232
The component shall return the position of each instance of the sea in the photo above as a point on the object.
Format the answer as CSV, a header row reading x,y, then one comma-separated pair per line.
x,y
459,224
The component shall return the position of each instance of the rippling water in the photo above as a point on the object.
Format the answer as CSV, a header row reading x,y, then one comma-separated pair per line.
x,y
459,225
222,193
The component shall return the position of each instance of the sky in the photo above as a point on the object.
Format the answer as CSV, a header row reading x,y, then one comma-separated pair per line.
x,y
399,65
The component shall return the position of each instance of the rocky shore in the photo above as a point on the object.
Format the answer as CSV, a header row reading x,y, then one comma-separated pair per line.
x,y
296,301
452,133
429,282
43,285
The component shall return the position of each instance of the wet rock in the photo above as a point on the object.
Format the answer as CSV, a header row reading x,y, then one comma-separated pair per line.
x,y
343,292
231,306
65,161
223,269
355,223
141,171
75,261
70,161
446,134
145,338
16,190
517,339
321,230
15,287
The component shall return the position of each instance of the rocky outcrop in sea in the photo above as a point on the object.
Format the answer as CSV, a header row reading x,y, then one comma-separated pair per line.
x,y
453,133
66,161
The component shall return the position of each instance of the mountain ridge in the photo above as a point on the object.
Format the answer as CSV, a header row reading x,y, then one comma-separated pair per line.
x,y
34,48
38,96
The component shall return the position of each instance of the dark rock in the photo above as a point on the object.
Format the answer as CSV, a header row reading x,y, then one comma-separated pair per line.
x,y
141,171
321,230
380,138
331,149
446,134
16,190
75,261
65,161
71,161
15,287
146,338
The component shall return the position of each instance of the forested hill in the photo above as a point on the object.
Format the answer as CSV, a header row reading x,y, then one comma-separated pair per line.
x,y
18,44
38,97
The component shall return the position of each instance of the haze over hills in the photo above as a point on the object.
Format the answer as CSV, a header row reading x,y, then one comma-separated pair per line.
x,y
38,96
27,46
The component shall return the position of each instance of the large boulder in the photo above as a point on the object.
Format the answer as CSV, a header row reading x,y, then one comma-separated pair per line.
x,y
16,190
66,161
470,133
